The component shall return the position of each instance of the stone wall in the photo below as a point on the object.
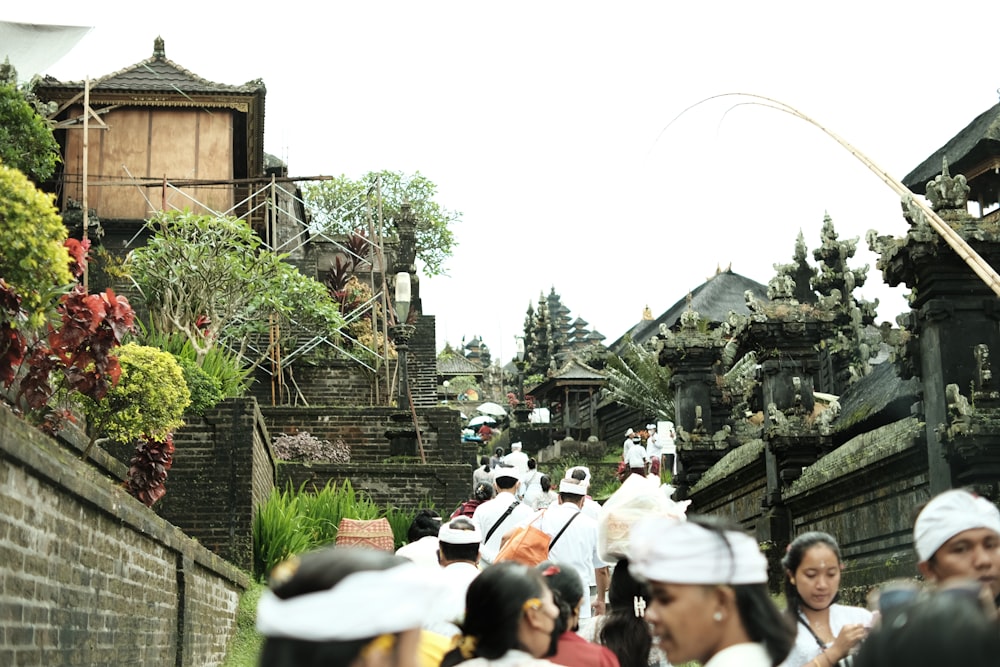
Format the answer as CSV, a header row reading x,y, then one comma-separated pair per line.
x,y
338,382
90,576
864,493
222,470
408,486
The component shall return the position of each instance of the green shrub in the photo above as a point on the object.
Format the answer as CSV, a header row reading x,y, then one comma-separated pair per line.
x,y
206,391
221,364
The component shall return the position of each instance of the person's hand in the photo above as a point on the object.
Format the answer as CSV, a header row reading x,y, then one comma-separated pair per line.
x,y
599,607
850,636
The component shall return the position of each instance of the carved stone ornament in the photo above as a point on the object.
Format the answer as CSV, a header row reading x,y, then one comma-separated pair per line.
x,y
947,191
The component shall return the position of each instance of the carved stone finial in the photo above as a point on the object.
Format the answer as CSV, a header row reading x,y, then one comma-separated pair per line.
x,y
159,52
947,191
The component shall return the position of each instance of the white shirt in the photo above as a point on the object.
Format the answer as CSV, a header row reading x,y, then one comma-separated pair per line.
x,y
653,446
636,456
806,648
512,658
448,608
627,446
488,513
421,552
669,446
531,485
740,655
578,545
518,459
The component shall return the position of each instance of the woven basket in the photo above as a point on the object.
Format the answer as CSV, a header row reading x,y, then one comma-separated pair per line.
x,y
371,533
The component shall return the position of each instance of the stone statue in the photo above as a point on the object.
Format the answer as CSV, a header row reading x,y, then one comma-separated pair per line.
x,y
947,191
775,416
959,410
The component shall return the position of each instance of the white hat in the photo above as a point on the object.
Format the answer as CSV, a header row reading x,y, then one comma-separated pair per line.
x,y
506,471
460,535
948,514
573,486
515,446
629,432
586,474
380,602
650,427
667,549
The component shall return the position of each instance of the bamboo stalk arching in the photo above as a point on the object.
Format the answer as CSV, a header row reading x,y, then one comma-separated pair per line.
x,y
973,259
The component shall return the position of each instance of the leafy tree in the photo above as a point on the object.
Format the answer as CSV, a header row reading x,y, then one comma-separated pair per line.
x,y
637,379
341,206
33,258
26,141
210,278
148,401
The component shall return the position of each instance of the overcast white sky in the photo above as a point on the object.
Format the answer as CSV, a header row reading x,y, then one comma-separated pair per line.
x,y
543,123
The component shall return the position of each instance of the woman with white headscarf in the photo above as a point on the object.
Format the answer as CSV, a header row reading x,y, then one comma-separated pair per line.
x,y
345,607
708,593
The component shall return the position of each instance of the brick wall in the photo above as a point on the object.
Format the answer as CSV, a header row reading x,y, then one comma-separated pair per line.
x,y
335,382
90,576
406,486
222,470
364,430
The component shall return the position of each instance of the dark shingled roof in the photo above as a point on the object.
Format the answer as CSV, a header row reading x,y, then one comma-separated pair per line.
x,y
458,365
879,398
157,74
978,142
713,299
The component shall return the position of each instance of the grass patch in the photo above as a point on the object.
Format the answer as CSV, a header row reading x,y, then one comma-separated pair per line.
x,y
244,646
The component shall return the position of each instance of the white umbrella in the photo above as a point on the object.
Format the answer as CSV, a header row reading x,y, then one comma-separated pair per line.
x,y
482,419
492,409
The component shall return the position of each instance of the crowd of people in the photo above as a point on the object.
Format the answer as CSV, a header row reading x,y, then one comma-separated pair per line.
x,y
677,589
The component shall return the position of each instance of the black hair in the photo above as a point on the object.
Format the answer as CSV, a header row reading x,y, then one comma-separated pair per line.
x,y
545,483
318,571
941,629
793,559
579,474
483,492
574,498
532,464
761,619
567,590
624,633
485,462
498,451
494,605
426,523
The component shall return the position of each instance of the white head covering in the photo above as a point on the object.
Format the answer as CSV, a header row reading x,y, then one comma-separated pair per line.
x,y
573,486
666,549
650,427
506,471
586,474
380,601
450,535
948,514
629,432
514,446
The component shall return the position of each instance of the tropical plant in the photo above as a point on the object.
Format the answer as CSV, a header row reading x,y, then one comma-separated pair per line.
x,y
26,140
221,364
637,379
341,206
148,468
206,390
148,401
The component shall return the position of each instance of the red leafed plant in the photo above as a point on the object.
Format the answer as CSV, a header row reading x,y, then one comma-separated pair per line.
x,y
148,469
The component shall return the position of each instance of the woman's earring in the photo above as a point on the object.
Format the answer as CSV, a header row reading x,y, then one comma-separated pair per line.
x,y
717,616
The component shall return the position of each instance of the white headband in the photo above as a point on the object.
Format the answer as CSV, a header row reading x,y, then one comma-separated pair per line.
x,y
506,471
947,515
586,474
665,549
450,535
573,486
376,602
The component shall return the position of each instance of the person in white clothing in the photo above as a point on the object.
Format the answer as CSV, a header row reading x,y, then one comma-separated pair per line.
x,y
668,445
577,541
517,458
637,458
422,539
628,443
531,483
653,449
591,507
826,632
496,517
708,593
458,554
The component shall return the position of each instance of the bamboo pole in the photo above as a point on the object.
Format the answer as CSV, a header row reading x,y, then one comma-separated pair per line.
x,y
973,259
86,159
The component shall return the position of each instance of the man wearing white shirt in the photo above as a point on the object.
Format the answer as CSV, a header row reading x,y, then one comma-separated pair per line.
x,y
653,449
636,458
628,443
517,458
577,545
498,516
591,507
458,554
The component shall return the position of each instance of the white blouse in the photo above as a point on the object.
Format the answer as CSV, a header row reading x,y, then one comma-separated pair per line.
x,y
807,649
